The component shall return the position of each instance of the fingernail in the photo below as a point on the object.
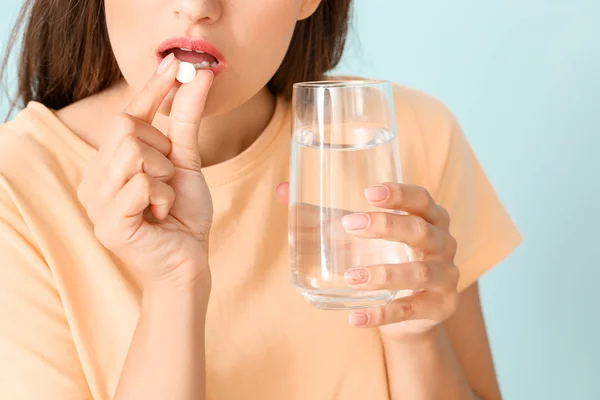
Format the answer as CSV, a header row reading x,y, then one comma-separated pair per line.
x,y
377,193
357,276
165,64
359,319
355,222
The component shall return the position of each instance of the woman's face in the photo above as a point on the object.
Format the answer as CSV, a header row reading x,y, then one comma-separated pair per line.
x,y
251,35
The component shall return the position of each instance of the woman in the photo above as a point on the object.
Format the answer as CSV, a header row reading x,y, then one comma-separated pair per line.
x,y
113,239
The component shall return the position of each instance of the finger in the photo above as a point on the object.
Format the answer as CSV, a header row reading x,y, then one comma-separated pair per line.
x,y
184,121
409,229
153,137
282,193
140,192
426,306
124,215
412,199
416,275
125,126
147,102
132,157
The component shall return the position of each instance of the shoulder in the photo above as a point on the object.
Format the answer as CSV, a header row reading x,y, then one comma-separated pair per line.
x,y
39,157
22,144
427,131
420,116
424,114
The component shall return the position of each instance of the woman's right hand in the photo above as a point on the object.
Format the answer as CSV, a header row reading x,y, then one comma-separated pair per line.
x,y
145,193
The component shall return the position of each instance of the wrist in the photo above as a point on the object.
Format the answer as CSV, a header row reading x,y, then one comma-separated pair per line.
x,y
430,336
186,283
187,276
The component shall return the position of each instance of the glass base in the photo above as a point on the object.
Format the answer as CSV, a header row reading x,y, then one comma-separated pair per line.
x,y
325,300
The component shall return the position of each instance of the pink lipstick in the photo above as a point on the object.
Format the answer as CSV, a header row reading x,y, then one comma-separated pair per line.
x,y
199,53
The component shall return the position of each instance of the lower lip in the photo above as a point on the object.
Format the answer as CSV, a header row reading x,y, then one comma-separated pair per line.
x,y
215,70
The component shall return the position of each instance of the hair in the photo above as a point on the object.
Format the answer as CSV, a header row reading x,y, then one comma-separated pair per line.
x,y
65,53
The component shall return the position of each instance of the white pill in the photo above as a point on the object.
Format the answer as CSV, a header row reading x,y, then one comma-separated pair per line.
x,y
186,72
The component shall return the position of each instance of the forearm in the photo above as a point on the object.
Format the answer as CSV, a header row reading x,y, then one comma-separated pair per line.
x,y
424,368
166,358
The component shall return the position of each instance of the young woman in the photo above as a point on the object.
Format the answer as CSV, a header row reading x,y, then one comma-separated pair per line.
x,y
143,236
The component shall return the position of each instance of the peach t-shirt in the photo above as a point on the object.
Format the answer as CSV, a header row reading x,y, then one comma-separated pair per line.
x,y
68,310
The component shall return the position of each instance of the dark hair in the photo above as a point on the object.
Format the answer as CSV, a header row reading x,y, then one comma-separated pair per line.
x,y
66,55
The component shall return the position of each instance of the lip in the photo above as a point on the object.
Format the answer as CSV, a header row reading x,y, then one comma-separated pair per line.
x,y
193,44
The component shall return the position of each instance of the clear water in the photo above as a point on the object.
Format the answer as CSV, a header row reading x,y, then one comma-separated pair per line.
x,y
327,182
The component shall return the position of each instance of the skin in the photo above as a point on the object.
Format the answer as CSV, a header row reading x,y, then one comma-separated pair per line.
x,y
147,130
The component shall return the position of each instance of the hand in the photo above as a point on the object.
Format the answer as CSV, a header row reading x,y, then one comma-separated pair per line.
x,y
145,193
434,277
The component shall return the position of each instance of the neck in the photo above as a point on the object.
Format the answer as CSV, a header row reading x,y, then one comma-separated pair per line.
x,y
221,137
224,136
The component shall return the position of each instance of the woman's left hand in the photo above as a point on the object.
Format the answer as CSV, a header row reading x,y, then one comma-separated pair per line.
x,y
434,277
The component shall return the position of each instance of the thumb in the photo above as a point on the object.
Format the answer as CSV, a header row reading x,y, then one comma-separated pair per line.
x,y
184,121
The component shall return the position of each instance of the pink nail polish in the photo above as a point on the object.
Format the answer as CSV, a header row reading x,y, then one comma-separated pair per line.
x,y
359,319
357,276
355,222
165,64
377,193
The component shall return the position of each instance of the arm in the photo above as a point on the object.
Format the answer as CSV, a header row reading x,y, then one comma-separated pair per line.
x,y
453,361
38,357
166,357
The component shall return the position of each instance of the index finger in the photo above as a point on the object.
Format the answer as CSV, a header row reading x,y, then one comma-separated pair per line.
x,y
412,199
146,103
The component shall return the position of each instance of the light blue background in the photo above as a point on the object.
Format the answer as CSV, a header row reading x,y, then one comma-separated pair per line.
x,y
523,77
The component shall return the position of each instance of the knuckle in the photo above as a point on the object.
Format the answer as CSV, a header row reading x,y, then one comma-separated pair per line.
x,y
132,147
142,183
380,316
445,214
128,157
452,245
126,125
451,303
421,230
396,192
423,273
387,274
423,199
387,223
454,274
406,309
182,118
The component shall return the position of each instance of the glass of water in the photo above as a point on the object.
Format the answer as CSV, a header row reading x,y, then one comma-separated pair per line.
x,y
344,140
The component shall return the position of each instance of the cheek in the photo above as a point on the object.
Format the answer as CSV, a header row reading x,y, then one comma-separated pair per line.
x,y
127,26
257,39
265,34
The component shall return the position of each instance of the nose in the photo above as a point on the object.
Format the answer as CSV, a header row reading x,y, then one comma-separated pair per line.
x,y
199,11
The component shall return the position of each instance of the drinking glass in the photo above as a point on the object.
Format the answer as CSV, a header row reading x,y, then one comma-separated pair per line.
x,y
344,140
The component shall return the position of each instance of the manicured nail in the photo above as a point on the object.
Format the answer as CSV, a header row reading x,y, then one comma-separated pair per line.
x,y
359,319
357,276
166,63
377,193
355,222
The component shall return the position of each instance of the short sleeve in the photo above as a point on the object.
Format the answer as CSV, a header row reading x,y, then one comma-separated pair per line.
x,y
442,160
483,228
38,359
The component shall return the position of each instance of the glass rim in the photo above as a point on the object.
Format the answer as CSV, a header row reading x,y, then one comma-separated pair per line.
x,y
339,83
